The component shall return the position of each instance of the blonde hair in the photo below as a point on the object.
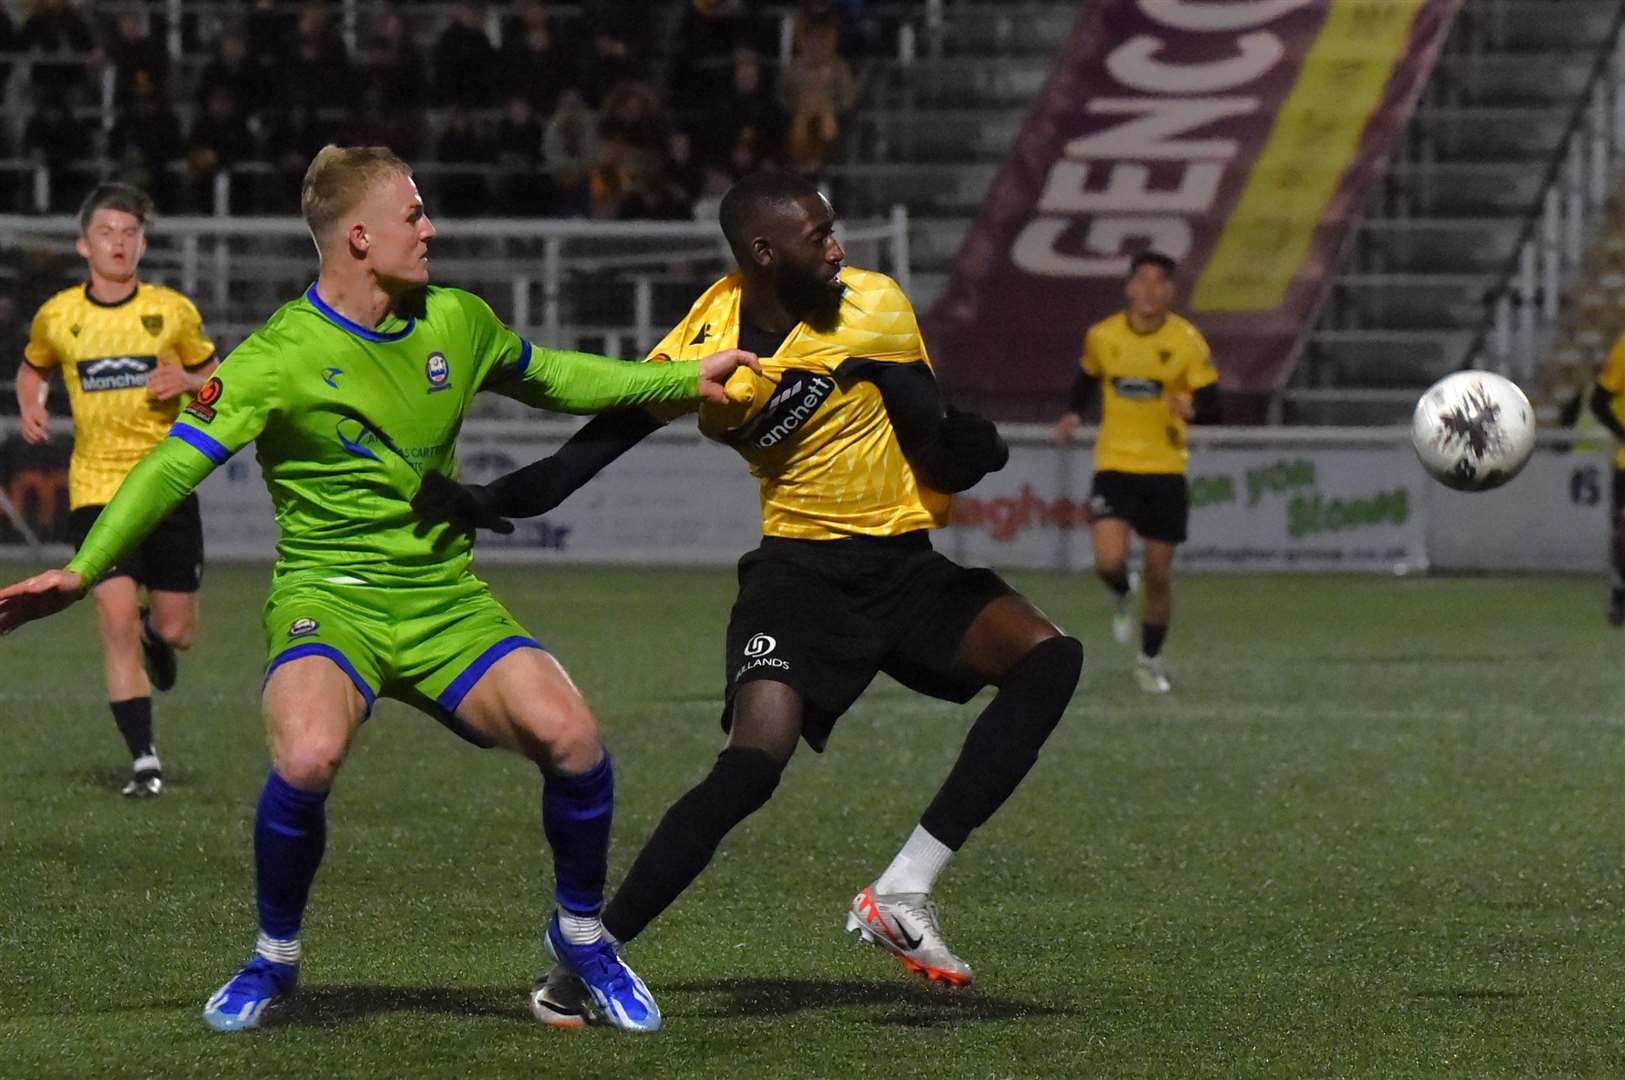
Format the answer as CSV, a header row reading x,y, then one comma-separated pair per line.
x,y
338,179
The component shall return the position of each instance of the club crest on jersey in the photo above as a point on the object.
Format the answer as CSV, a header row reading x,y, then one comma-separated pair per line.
x,y
202,406
799,396
152,324
115,373
303,627
438,372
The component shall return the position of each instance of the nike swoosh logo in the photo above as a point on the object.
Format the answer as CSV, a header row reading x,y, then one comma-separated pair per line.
x,y
909,941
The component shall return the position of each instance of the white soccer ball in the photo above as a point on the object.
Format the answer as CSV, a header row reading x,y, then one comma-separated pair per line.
x,y
1473,430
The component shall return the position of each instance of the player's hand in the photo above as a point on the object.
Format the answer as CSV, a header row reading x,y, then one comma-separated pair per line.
x,y
1066,428
166,382
439,498
35,424
37,597
715,369
973,438
1182,404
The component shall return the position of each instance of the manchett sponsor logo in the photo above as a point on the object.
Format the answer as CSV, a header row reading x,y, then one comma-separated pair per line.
x,y
115,372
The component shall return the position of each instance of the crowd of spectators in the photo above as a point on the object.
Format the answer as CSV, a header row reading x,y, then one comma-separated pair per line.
x,y
506,108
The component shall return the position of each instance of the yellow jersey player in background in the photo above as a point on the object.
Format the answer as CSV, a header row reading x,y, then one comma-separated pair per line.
x,y
1607,399
128,351
1153,374
856,454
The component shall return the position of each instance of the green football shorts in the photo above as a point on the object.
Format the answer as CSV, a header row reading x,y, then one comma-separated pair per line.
x,y
426,645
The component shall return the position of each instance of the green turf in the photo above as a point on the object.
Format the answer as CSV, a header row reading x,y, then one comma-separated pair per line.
x,y
1376,831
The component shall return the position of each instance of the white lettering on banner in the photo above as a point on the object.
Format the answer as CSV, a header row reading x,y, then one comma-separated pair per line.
x,y
1148,135
1221,15
1151,134
1127,188
1132,65
1035,247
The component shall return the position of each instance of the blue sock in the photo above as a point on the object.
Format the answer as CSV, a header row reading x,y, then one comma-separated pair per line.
x,y
576,812
290,833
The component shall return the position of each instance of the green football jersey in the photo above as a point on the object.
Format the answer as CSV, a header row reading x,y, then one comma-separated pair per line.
x,y
347,419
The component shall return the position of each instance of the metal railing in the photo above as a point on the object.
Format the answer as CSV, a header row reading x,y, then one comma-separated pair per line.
x,y
1525,305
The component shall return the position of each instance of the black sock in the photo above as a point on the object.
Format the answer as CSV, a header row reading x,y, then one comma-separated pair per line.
x,y
134,720
1116,581
1151,638
740,782
1003,744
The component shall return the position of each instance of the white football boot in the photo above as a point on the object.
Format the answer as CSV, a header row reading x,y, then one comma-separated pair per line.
x,y
905,925
561,1000
1123,617
1149,673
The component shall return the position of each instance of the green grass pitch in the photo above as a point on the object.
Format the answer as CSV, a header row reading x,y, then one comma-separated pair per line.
x,y
1377,830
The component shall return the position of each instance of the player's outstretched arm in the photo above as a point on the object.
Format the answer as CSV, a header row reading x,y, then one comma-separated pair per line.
x,y
38,597
949,450
152,489
540,486
581,383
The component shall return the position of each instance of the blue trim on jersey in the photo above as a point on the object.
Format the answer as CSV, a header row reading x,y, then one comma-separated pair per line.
x,y
453,695
201,441
317,648
524,358
357,329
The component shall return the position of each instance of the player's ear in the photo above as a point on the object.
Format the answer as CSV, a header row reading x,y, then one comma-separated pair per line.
x,y
761,249
82,247
358,237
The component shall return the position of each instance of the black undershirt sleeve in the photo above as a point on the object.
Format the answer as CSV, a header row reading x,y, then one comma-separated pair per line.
x,y
542,485
949,450
1602,407
1085,393
1205,407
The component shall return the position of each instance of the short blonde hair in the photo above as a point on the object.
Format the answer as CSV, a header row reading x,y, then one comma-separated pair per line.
x,y
338,179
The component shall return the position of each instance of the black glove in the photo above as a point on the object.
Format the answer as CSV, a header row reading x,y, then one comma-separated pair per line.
x,y
974,440
469,505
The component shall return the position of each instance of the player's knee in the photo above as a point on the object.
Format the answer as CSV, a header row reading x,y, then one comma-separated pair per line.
x,y
311,766
176,630
566,740
743,779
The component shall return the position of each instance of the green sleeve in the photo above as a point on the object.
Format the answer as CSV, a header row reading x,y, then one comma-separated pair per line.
x,y
153,488
572,382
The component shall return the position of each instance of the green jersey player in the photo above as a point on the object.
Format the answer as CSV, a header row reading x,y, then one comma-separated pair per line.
x,y
349,394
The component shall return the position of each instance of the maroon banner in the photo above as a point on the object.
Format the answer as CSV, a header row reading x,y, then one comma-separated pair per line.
x,y
1241,137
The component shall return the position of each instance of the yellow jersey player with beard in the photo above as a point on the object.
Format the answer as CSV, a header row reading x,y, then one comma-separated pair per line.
x,y
857,457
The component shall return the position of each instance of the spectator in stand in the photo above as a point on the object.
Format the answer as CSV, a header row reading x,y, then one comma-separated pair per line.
x,y
818,88
610,179
135,55
535,65
463,194
465,61
394,63
749,103
524,189
652,193
379,122
145,140
231,68
269,32
56,139
616,49
631,113
219,139
295,136
62,46
570,148
318,68
709,33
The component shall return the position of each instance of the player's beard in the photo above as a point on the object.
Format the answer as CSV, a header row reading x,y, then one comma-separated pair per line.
x,y
812,298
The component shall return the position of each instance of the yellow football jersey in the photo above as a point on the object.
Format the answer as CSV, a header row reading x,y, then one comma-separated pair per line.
x,y
1612,379
106,352
822,446
1139,433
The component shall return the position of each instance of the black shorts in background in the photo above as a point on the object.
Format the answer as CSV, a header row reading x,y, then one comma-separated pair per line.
x,y
1157,506
170,559
823,616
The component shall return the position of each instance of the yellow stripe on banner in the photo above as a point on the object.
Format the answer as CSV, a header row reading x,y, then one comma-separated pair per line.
x,y
1315,139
